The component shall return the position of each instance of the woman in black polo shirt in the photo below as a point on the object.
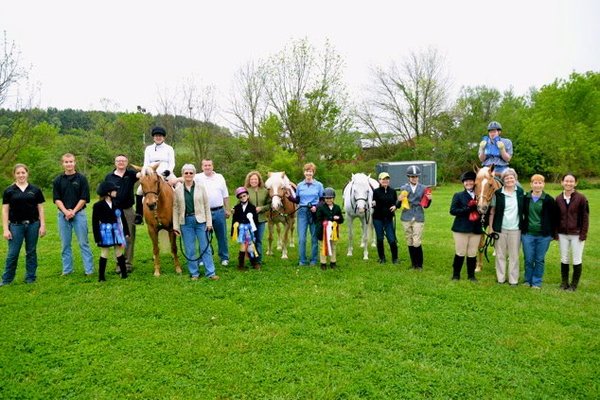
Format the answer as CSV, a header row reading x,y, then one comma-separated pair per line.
x,y
22,219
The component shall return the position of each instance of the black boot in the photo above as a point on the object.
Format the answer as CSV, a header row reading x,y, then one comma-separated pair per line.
x,y
576,275
332,265
254,262
457,266
413,261
122,266
380,251
419,257
138,210
323,266
102,269
471,266
564,274
241,257
394,251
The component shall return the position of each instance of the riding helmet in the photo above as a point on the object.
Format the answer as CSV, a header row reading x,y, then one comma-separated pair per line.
x,y
159,130
413,170
468,176
494,125
240,190
105,188
329,193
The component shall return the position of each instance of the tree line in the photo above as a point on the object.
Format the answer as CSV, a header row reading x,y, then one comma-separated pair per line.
x,y
293,107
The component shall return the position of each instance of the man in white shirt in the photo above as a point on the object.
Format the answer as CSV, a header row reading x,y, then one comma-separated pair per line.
x,y
161,153
218,197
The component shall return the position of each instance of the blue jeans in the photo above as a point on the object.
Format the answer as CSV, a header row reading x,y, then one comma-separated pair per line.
x,y
385,226
190,231
65,228
258,239
220,228
20,232
534,252
305,223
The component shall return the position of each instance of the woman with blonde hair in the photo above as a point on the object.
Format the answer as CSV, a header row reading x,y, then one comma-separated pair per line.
x,y
259,196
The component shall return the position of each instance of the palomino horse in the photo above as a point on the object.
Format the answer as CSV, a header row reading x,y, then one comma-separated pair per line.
x,y
282,213
158,213
485,186
358,199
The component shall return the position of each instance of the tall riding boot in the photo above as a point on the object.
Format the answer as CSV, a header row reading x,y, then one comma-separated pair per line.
x,y
457,266
380,251
241,257
576,275
254,262
471,266
122,266
102,269
419,257
394,251
564,274
139,207
411,253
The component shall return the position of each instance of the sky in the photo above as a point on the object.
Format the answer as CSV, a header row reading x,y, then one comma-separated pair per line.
x,y
80,52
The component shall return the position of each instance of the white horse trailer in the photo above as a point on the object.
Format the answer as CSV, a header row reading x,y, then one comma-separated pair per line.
x,y
397,171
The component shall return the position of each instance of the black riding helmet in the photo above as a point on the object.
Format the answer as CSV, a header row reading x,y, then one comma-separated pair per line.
x,y
468,176
159,130
105,188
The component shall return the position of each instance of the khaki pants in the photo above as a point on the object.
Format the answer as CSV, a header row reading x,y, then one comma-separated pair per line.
x,y
332,258
508,245
130,217
466,244
413,231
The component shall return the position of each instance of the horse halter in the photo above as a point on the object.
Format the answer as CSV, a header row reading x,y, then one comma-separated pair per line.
x,y
157,192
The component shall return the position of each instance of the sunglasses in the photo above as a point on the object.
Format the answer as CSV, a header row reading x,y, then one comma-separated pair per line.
x,y
188,173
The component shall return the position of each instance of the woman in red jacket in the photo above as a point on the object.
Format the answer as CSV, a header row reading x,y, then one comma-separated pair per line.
x,y
573,227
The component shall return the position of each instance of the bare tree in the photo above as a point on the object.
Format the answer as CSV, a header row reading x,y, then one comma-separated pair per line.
x,y
11,70
201,105
248,105
406,99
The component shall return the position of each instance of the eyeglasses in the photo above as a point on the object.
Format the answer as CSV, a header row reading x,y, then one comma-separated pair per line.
x,y
121,160
188,173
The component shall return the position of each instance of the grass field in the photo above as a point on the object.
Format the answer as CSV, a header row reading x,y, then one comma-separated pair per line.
x,y
361,331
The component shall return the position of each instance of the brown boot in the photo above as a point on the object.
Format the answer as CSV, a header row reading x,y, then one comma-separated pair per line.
x,y
241,259
254,262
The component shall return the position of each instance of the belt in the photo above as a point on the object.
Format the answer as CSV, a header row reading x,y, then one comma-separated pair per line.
x,y
190,214
215,208
24,222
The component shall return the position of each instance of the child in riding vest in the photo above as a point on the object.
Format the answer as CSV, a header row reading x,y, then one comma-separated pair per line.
x,y
110,228
329,217
243,228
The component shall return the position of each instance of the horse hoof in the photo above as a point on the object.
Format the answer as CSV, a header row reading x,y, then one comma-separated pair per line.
x,y
362,245
157,274
284,257
365,258
349,254
477,269
292,245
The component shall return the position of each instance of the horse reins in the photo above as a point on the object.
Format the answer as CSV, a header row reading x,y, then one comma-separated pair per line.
x,y
209,237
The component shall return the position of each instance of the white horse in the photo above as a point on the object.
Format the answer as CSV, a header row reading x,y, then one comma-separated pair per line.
x,y
282,213
358,200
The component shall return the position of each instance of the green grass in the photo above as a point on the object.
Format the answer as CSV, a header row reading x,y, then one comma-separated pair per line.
x,y
361,331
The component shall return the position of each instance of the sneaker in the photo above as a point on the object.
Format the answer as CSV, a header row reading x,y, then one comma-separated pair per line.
x,y
526,284
473,279
194,278
224,263
536,287
214,278
456,278
138,220
381,261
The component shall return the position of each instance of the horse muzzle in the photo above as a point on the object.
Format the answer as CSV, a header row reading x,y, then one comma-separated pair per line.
x,y
152,206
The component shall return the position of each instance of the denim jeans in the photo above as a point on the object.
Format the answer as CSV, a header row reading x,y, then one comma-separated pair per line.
x,y
305,223
193,232
220,227
65,228
258,239
30,234
534,252
386,227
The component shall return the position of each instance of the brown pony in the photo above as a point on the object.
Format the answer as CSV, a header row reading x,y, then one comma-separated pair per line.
x,y
485,186
158,212
282,213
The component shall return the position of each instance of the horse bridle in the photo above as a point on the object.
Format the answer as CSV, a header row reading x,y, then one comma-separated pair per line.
x,y
355,205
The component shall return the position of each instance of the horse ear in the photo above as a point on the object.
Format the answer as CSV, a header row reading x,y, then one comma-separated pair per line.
x,y
476,168
154,166
492,168
135,167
